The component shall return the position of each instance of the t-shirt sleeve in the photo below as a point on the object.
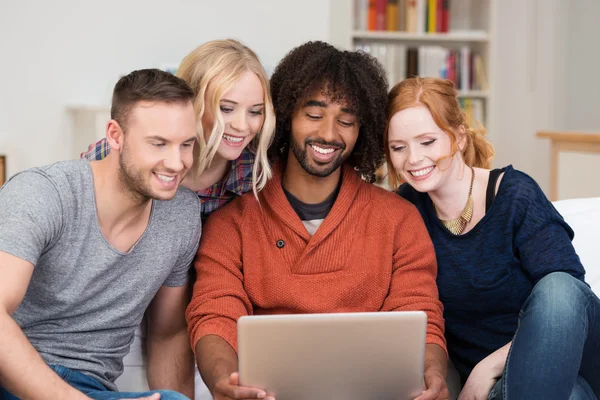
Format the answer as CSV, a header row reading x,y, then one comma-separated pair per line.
x,y
31,215
181,273
542,239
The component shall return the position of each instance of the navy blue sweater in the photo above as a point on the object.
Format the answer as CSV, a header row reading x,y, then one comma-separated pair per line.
x,y
485,275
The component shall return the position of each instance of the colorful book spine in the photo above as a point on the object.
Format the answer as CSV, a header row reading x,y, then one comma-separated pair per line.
x,y
412,62
372,25
421,16
391,15
411,15
445,16
380,22
402,15
431,16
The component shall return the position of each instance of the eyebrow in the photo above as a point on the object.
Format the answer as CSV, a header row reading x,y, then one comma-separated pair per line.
x,y
322,104
425,134
416,137
162,139
236,103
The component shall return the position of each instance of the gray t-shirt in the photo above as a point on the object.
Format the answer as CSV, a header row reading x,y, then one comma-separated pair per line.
x,y
86,298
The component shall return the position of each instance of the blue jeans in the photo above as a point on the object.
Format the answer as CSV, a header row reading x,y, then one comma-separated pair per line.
x,y
94,389
555,353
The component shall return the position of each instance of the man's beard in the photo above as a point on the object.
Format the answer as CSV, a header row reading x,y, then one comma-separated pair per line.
x,y
321,171
132,179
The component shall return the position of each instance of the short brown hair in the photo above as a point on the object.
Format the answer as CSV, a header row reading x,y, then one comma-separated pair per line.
x,y
147,85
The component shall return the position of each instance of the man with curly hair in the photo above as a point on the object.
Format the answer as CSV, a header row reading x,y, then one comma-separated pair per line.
x,y
319,237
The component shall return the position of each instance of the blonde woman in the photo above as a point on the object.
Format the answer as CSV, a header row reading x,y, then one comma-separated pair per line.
x,y
235,123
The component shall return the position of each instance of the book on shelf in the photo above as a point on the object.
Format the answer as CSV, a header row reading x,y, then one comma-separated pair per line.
x,y
474,112
461,65
417,16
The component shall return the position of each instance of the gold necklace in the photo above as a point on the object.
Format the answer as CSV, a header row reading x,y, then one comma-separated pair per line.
x,y
457,226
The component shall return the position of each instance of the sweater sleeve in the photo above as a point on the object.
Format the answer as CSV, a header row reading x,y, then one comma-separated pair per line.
x,y
542,238
219,297
414,272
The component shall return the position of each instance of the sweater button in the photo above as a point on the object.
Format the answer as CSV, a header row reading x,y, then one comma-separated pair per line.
x,y
280,243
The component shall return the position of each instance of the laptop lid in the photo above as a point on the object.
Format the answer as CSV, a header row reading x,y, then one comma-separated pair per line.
x,y
377,355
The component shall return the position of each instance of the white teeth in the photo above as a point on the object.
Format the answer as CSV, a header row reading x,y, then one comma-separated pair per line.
x,y
421,172
232,139
322,150
165,178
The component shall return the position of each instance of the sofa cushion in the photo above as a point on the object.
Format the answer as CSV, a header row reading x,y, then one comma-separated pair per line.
x,y
583,215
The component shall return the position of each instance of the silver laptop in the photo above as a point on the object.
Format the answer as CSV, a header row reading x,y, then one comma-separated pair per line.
x,y
346,356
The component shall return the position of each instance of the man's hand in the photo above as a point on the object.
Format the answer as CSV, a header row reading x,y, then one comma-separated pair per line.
x,y
228,388
435,387
436,370
479,383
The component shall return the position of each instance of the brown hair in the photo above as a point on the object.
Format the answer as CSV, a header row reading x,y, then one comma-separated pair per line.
x,y
147,85
441,99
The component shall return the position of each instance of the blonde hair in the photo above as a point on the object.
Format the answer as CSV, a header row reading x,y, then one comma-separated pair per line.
x,y
221,63
441,99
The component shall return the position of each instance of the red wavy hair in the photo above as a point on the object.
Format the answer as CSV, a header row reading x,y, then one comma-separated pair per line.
x,y
441,99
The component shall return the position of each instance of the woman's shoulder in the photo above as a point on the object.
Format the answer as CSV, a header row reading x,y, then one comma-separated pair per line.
x,y
409,193
519,185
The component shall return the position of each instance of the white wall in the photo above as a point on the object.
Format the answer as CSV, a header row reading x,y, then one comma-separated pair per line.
x,y
530,82
67,52
547,62
583,62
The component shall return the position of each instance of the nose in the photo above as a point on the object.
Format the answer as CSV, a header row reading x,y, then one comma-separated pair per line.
x,y
174,161
328,131
240,122
414,156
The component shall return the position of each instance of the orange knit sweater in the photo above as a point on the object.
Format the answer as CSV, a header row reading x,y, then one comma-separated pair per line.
x,y
371,253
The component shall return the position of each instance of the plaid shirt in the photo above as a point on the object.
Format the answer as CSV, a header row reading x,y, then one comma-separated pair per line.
x,y
237,182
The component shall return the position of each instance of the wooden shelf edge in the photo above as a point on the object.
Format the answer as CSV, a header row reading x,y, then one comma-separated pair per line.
x,y
572,137
475,36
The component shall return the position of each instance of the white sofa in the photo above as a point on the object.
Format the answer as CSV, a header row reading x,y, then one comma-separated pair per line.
x,y
583,215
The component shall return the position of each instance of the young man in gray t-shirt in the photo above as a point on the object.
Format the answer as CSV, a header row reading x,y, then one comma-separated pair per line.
x,y
87,247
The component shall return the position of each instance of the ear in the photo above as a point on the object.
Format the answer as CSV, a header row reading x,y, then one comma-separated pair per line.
x,y
114,135
462,137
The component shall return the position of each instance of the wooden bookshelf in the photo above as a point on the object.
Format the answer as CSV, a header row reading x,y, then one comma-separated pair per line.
x,y
470,25
455,37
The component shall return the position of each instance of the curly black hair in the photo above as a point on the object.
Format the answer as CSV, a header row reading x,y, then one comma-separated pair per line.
x,y
351,76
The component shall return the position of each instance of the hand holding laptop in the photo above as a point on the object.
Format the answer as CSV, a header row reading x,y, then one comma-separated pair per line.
x,y
434,385
229,387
